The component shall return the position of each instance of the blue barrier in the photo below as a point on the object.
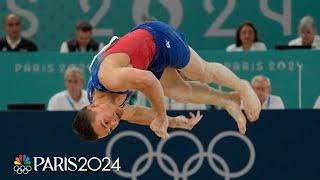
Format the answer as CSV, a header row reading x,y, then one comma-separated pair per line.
x,y
281,145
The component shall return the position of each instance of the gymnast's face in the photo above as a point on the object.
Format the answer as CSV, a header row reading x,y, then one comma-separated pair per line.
x,y
106,119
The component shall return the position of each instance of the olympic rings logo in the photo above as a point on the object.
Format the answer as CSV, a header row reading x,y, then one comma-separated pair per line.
x,y
186,171
22,169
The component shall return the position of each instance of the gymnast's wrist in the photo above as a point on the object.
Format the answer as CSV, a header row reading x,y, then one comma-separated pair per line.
x,y
173,123
160,113
161,116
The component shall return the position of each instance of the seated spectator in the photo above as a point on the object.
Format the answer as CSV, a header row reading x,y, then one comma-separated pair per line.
x,y
13,40
317,104
83,42
74,97
247,39
262,87
307,34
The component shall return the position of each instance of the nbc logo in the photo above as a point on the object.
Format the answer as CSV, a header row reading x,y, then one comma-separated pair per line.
x,y
22,164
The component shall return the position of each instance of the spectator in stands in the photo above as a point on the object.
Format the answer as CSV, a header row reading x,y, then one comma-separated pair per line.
x,y
74,97
247,39
13,40
307,34
262,87
317,104
83,42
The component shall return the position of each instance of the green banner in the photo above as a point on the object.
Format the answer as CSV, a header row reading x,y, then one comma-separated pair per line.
x,y
209,24
35,77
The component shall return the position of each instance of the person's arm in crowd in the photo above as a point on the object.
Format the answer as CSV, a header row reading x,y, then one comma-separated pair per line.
x,y
101,45
51,104
281,104
64,48
33,47
294,42
262,47
231,48
278,104
317,104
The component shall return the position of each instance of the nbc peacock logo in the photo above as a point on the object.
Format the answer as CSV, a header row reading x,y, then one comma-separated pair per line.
x,y
22,164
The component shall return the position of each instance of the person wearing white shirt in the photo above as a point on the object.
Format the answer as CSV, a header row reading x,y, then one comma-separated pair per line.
x,y
307,34
74,97
262,87
247,39
317,104
83,42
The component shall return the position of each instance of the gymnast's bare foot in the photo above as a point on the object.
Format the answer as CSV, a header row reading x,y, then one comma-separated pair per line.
x,y
232,105
251,103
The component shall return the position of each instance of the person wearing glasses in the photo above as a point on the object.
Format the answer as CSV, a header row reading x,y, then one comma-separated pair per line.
x,y
262,87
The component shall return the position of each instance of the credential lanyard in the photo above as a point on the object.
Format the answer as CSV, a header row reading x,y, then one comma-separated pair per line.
x,y
70,102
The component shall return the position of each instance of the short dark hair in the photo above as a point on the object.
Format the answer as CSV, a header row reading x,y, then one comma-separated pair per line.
x,y
246,23
84,26
82,125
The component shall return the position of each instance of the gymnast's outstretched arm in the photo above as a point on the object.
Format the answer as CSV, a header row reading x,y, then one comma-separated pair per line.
x,y
121,78
143,116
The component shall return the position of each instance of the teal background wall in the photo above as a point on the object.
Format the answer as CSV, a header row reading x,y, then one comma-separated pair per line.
x,y
209,24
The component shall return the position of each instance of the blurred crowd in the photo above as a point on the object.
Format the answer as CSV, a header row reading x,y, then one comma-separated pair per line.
x,y
74,97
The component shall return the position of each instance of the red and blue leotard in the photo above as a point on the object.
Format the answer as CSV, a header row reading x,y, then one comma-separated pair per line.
x,y
150,46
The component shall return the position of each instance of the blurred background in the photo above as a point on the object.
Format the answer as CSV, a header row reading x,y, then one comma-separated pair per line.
x,y
210,26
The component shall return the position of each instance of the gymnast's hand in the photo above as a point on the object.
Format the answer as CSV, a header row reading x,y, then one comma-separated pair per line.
x,y
160,125
184,122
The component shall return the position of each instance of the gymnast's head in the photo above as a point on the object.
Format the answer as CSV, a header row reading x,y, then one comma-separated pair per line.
x,y
96,121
